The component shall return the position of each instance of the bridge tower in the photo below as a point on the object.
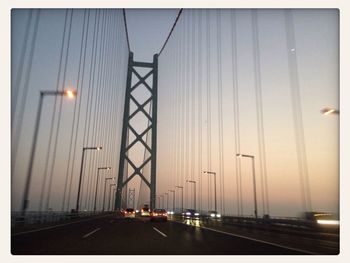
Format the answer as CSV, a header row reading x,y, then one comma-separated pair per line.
x,y
125,146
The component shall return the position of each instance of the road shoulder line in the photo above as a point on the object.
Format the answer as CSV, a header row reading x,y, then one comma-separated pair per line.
x,y
250,238
55,226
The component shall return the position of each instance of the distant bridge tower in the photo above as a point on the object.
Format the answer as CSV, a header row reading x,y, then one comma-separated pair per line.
x,y
131,198
126,159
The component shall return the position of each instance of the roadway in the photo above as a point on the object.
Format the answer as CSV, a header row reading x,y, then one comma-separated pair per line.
x,y
112,235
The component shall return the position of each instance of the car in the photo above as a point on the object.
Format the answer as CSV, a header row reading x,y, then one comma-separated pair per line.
x,y
145,211
159,214
190,214
129,213
213,215
322,219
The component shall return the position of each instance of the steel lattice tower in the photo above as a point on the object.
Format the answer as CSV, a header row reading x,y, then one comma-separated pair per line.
x,y
126,145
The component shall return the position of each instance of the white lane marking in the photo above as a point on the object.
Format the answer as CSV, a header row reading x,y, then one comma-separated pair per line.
x,y
89,234
261,241
253,239
55,226
164,235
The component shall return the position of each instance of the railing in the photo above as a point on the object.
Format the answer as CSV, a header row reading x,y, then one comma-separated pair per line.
x,y
33,217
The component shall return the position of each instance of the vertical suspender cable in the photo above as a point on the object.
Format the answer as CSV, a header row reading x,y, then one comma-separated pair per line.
x,y
259,110
208,54
53,113
220,113
17,134
199,98
297,112
59,114
91,105
15,89
75,108
236,110
88,107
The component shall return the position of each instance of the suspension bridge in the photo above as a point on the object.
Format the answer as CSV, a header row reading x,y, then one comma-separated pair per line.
x,y
235,116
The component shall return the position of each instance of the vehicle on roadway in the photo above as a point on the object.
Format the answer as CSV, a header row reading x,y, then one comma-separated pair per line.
x,y
159,214
129,213
145,211
321,219
213,215
190,214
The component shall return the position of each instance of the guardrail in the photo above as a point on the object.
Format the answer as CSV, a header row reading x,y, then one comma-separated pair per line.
x,y
33,217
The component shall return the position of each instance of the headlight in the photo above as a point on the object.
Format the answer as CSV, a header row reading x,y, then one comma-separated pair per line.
x,y
188,213
218,215
137,211
212,215
328,222
196,214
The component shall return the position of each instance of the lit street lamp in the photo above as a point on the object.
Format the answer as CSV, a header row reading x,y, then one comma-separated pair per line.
x,y
158,197
104,192
182,197
207,172
328,111
110,195
167,201
194,183
173,191
69,94
81,173
254,184
98,171
162,196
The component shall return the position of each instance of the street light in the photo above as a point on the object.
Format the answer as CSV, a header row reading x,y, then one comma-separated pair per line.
x,y
328,111
104,192
109,199
81,172
194,183
69,94
182,197
162,196
173,191
98,171
207,172
167,201
158,197
254,184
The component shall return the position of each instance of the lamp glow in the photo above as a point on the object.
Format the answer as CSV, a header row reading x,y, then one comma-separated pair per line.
x,y
70,93
327,222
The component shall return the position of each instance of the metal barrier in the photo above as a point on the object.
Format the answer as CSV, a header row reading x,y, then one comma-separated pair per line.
x,y
33,217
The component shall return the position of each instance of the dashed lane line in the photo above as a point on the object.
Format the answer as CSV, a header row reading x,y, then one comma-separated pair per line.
x,y
160,232
92,232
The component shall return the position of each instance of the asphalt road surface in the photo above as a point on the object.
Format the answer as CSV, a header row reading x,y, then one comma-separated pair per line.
x,y
112,235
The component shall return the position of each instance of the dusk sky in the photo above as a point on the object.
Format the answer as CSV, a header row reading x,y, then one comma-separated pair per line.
x,y
316,34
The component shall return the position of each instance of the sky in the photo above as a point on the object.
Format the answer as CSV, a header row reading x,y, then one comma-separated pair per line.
x,y
316,38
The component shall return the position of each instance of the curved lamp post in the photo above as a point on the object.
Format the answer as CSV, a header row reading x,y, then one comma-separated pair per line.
x,y
98,171
68,93
254,184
